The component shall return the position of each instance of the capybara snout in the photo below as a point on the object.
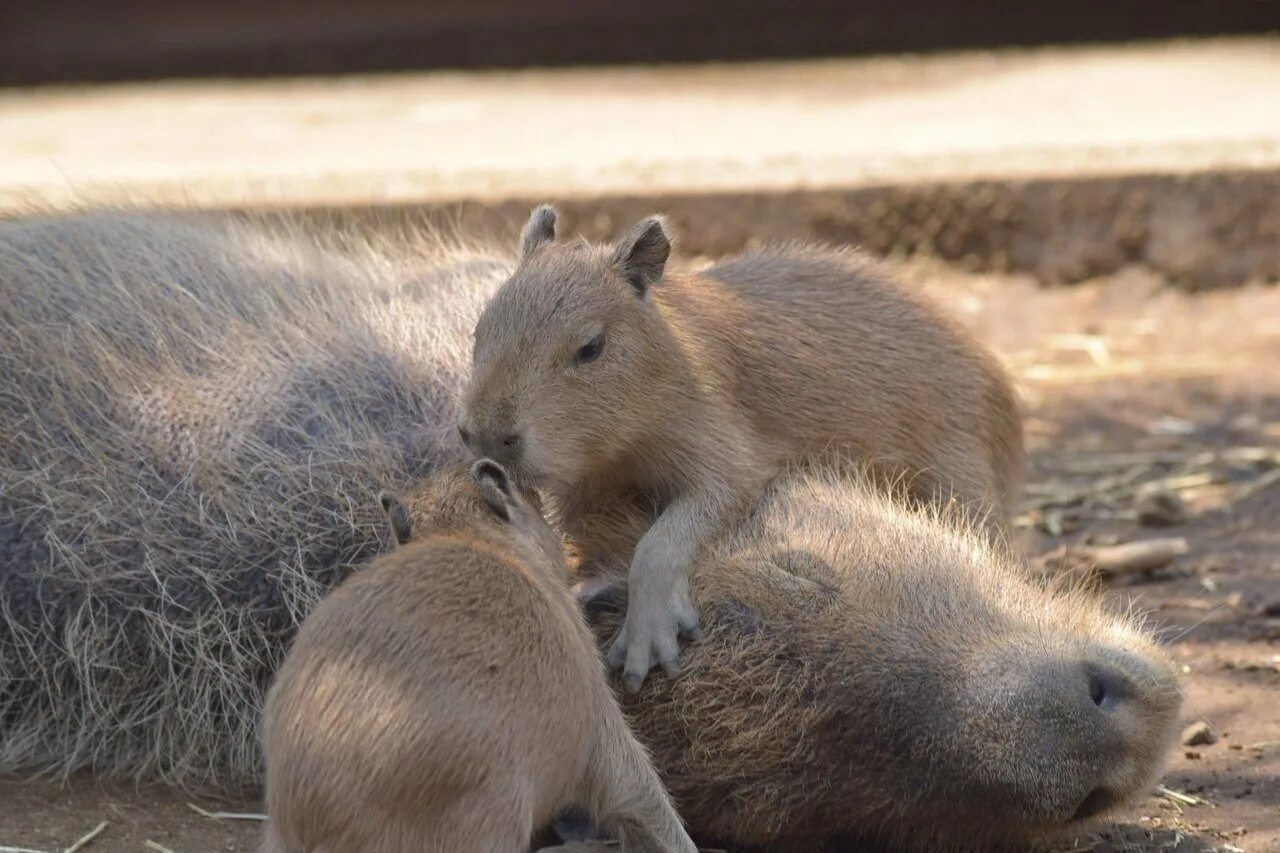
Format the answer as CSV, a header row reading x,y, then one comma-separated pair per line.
x,y
1136,697
1090,722
501,445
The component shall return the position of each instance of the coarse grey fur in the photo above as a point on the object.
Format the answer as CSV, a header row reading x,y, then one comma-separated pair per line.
x,y
195,420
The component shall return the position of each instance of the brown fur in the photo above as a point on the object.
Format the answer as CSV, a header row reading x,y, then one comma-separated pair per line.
x,y
707,385
448,697
874,673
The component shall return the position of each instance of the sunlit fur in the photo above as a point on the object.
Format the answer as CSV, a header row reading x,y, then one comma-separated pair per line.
x,y
196,416
870,672
725,376
448,697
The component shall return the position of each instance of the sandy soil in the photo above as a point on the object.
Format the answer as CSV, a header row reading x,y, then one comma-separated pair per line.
x,y
1122,365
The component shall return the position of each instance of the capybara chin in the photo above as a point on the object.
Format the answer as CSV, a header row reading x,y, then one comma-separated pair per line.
x,y
448,696
599,374
874,673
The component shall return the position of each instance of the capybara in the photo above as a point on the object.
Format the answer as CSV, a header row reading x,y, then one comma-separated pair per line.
x,y
599,376
196,415
871,673
448,697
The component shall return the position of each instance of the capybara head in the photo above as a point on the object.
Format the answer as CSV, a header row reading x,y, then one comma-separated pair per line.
x,y
473,500
567,352
878,673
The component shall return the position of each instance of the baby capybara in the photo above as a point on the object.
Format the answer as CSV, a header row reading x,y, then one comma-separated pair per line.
x,y
599,376
448,697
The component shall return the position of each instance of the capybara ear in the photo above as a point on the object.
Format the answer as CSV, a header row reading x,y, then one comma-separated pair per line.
x,y
495,487
540,229
641,256
397,516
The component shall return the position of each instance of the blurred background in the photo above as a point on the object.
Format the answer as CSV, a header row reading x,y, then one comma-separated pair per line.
x,y
77,40
972,132
1093,188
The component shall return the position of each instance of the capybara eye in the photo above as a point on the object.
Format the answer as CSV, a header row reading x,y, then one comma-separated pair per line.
x,y
589,351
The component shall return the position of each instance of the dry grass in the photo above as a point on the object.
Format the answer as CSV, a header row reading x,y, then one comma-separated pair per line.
x,y
195,419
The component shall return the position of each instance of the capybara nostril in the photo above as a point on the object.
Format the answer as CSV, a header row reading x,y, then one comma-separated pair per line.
x,y
1108,686
464,435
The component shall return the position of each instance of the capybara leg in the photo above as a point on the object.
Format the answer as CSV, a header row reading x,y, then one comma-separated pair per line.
x,y
498,821
623,791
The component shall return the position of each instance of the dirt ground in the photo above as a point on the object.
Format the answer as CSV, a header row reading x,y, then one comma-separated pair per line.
x,y
1151,412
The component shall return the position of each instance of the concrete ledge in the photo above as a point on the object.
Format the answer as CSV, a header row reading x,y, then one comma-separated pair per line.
x,y
1064,162
1199,230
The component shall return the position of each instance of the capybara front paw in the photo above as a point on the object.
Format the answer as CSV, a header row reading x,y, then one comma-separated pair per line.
x,y
650,637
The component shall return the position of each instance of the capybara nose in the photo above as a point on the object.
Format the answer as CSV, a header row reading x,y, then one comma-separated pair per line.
x,y
1109,685
506,449
501,447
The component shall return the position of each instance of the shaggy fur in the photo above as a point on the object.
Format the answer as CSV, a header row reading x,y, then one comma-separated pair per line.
x,y
874,673
448,697
195,420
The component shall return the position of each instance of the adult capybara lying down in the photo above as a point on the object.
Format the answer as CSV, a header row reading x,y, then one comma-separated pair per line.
x,y
195,420
869,672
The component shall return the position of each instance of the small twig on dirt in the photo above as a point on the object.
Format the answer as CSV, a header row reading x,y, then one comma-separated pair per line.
x,y
1261,745
1094,346
1178,483
1062,374
1126,558
226,815
159,848
1137,556
1113,489
1179,797
1094,463
19,850
86,838
1266,481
